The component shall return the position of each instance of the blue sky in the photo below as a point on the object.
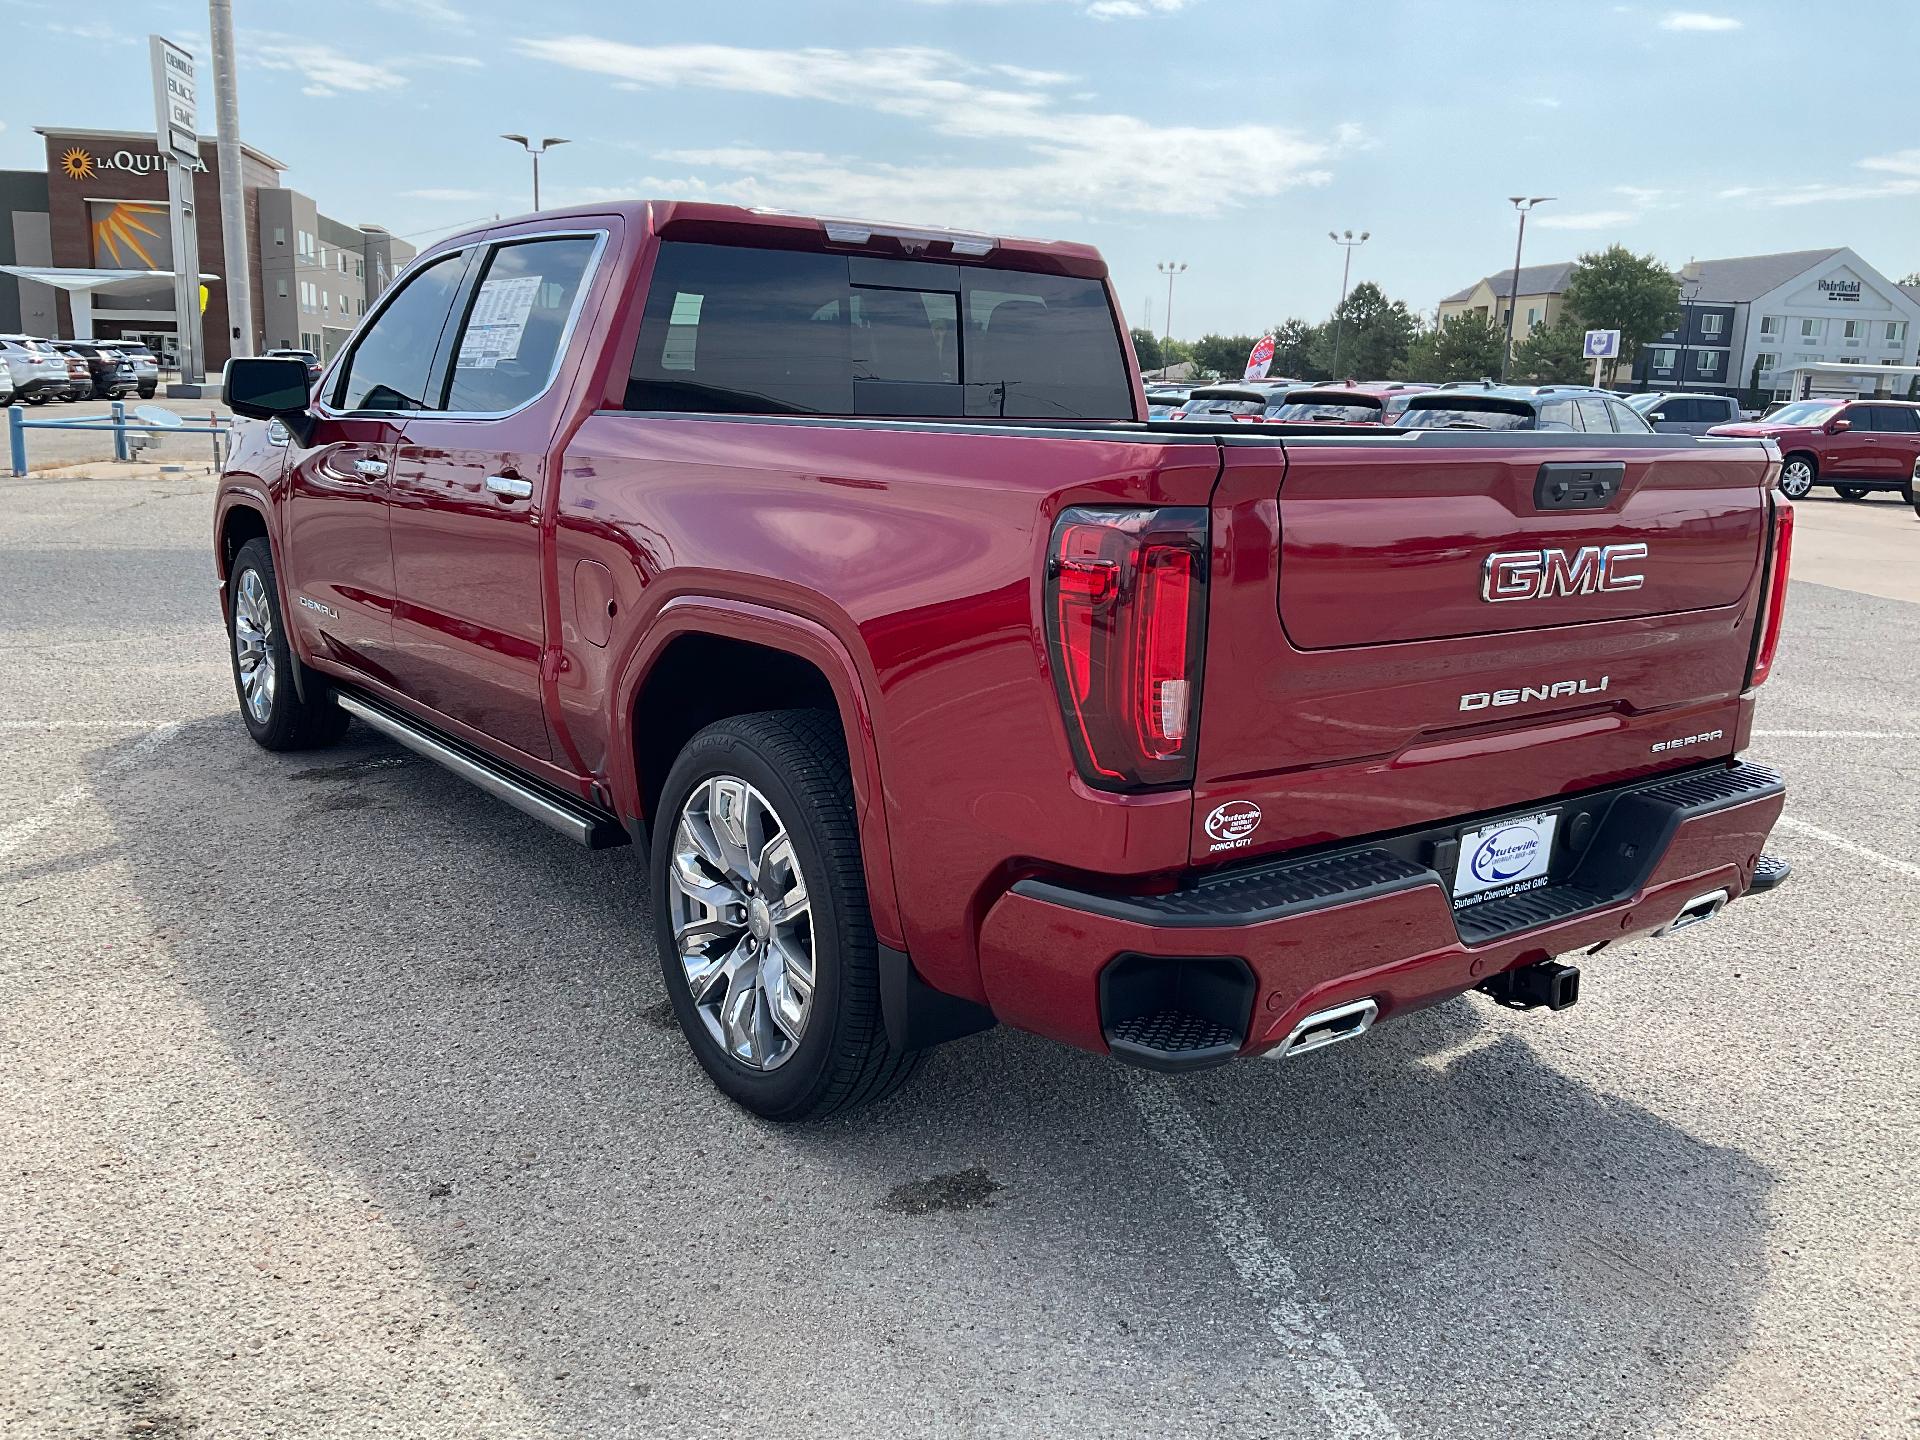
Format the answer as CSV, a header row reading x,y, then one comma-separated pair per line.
x,y
1231,136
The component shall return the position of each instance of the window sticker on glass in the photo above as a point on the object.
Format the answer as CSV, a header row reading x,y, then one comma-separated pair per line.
x,y
498,321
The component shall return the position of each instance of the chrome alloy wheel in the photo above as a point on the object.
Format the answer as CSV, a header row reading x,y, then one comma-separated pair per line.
x,y
253,645
742,922
1796,478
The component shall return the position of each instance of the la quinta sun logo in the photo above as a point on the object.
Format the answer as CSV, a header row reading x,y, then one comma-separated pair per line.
x,y
77,164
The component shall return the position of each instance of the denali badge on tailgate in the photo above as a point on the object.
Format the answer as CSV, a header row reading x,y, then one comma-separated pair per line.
x,y
1544,574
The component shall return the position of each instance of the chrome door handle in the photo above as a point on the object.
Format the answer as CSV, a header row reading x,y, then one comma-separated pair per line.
x,y
370,469
510,486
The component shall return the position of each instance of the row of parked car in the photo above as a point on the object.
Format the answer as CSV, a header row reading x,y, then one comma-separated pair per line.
x,y
1456,405
35,370
1855,446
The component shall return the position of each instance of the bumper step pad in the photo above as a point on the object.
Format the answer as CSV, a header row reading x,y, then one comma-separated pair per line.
x,y
1769,873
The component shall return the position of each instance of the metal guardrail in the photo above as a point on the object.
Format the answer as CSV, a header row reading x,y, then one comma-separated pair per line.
x,y
117,424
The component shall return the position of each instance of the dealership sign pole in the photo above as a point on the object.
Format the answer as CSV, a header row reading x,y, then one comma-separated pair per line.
x,y
177,131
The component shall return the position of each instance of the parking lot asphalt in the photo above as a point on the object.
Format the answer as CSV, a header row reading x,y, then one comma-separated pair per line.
x,y
341,1100
49,449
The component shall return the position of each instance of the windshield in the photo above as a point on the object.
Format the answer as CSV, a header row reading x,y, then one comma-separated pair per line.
x,y
1334,408
1804,412
1469,415
1644,404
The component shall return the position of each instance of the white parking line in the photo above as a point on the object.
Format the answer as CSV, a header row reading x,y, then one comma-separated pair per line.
x,y
1852,847
1319,1358
1836,735
81,724
29,827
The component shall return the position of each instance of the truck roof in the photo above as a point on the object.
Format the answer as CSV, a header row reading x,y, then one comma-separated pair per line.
x,y
702,222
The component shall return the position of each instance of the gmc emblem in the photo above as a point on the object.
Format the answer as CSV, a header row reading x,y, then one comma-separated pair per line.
x,y
1543,574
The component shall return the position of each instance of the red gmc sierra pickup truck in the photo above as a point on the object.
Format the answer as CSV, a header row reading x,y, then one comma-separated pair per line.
x,y
836,568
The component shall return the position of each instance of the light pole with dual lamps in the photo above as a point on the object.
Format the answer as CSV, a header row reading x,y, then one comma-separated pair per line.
x,y
1170,269
536,152
1349,244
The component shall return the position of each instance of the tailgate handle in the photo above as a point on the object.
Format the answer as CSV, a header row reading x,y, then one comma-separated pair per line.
x,y
1561,485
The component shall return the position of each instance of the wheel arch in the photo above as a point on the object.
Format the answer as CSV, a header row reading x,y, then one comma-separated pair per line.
x,y
794,662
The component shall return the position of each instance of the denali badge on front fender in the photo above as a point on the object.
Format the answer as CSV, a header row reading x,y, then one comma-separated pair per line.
x,y
1544,574
316,605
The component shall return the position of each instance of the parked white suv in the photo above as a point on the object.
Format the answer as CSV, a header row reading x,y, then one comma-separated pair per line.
x,y
39,371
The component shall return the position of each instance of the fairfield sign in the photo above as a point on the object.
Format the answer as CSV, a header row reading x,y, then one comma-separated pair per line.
x,y
1841,290
79,163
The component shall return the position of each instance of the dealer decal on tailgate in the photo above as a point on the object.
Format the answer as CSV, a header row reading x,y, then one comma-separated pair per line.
x,y
1504,858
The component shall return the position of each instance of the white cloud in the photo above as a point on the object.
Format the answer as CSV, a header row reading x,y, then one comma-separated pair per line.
x,y
325,70
1901,172
1639,194
1587,220
432,12
1903,162
1066,163
1698,21
443,193
1097,9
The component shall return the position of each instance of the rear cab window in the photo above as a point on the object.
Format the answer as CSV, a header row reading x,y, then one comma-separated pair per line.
x,y
1337,407
741,330
1469,412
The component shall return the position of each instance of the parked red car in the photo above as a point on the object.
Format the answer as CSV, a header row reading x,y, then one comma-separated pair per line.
x,y
1368,403
1853,445
837,569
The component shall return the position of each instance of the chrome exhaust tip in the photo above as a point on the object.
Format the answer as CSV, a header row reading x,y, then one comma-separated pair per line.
x,y
1697,911
1328,1027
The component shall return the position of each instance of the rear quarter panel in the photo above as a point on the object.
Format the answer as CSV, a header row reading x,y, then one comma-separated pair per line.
x,y
920,548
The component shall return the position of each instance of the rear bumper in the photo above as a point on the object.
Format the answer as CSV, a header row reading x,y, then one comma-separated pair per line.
x,y
1370,921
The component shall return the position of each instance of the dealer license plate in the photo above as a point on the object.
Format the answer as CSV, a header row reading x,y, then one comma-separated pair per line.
x,y
1505,857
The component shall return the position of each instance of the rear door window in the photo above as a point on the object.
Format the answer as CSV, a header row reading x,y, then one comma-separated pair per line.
x,y
739,330
1593,416
516,323
1557,415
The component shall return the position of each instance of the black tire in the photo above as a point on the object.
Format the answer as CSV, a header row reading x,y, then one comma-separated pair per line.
x,y
39,399
286,721
1799,472
147,394
1852,492
797,760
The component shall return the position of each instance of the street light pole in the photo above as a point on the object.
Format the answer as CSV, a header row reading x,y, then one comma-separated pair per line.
x,y
233,204
1349,244
1690,279
536,151
1524,204
1170,269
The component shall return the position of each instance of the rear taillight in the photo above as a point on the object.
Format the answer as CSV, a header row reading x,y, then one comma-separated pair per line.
x,y
1773,603
1126,609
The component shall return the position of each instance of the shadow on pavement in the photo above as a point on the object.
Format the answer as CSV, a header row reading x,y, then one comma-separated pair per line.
x,y
459,1011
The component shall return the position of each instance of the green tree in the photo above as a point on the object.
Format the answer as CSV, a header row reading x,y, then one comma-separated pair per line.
x,y
1146,348
1619,290
1551,355
1293,349
1466,347
1223,355
1373,334
1913,279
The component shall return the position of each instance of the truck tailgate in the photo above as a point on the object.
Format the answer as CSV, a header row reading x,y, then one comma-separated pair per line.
x,y
1405,629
